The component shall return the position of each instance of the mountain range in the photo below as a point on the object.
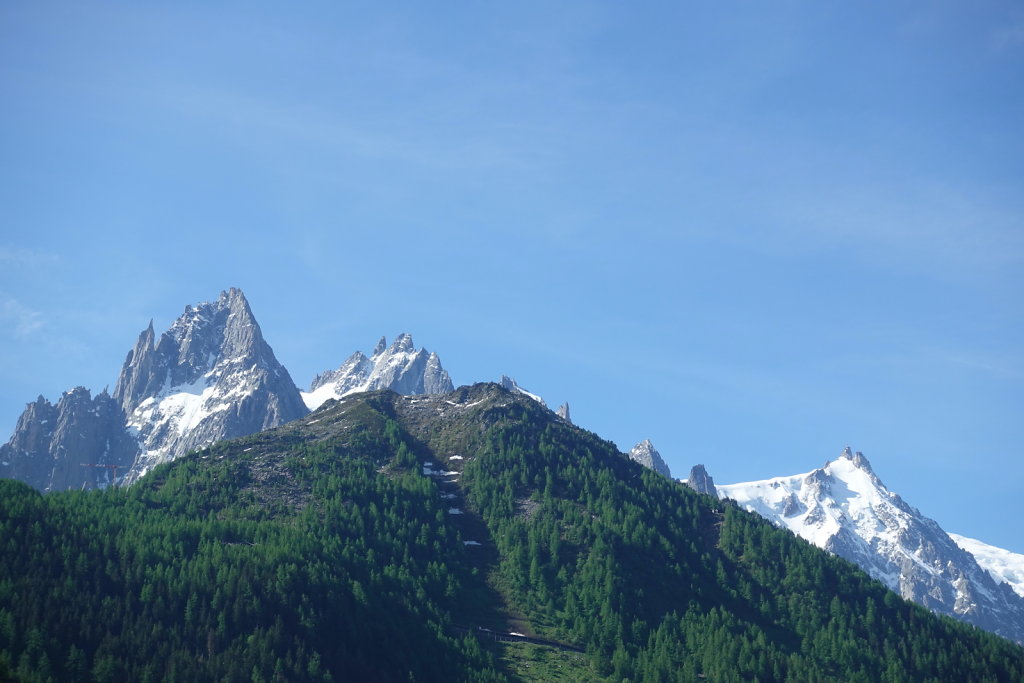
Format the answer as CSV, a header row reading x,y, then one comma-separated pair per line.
x,y
212,376
471,536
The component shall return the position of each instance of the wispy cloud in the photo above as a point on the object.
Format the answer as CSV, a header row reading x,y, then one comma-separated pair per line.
x,y
1005,367
19,320
457,143
29,258
1008,37
911,224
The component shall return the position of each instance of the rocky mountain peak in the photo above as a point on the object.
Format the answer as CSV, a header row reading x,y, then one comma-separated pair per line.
x,y
701,482
563,412
647,455
399,367
861,462
210,376
402,344
207,335
513,386
68,445
856,458
846,509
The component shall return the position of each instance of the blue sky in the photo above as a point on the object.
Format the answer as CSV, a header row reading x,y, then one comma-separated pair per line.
x,y
751,232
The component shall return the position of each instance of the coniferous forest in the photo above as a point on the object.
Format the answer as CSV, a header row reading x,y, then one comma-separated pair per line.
x,y
372,540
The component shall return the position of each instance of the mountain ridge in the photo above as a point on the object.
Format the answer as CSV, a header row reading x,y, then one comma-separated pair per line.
x,y
210,376
400,367
374,538
843,507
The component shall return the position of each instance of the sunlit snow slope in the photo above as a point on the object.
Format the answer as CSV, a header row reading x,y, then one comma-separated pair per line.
x,y
845,508
1003,565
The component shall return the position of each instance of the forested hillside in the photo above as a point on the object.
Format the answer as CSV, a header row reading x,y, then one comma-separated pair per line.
x,y
372,539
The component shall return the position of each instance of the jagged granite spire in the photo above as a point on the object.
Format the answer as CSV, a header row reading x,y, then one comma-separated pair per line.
x,y
59,447
563,412
399,367
211,376
645,454
137,378
701,482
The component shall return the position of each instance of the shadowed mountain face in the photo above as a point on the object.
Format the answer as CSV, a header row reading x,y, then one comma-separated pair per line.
x,y
375,538
701,482
56,447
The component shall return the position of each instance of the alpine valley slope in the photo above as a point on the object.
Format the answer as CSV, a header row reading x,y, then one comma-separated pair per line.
x,y
211,376
845,508
373,538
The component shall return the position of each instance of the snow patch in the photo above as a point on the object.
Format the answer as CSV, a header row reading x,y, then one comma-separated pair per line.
x,y
316,398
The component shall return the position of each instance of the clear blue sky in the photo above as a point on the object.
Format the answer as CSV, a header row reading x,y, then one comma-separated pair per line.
x,y
751,232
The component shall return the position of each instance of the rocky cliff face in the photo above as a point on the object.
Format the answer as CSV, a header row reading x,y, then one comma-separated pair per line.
x,y
401,367
701,482
211,376
79,442
845,508
645,454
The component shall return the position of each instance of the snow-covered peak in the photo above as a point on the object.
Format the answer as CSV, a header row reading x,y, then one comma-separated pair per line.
x,y
400,367
647,455
817,504
1005,566
845,508
213,337
210,376
856,458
